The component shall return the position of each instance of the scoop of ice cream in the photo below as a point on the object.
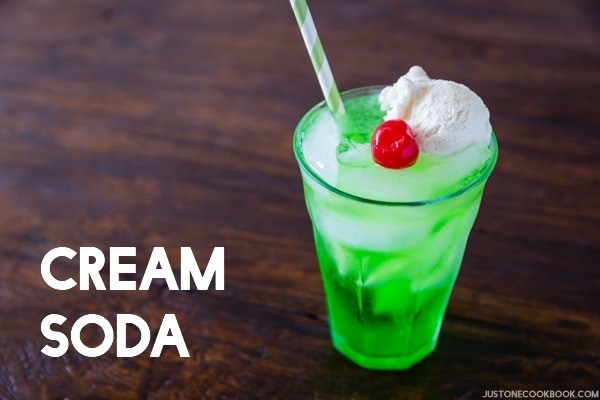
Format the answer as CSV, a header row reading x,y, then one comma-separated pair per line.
x,y
446,117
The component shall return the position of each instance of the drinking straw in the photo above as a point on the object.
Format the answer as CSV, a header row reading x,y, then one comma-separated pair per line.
x,y
317,56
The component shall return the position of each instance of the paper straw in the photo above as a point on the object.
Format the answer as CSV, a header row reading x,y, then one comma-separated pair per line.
x,y
317,56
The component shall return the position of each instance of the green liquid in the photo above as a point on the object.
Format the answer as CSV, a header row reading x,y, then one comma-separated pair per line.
x,y
388,268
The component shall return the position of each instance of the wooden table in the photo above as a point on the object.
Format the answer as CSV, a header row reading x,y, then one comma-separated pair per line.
x,y
168,124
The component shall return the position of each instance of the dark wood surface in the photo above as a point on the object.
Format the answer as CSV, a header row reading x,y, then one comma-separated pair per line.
x,y
151,123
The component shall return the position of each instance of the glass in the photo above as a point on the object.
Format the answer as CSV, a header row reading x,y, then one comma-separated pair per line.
x,y
388,268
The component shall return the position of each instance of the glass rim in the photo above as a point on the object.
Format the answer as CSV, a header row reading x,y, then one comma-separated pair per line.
x,y
314,175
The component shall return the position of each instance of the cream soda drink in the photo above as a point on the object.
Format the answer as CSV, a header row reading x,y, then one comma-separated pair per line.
x,y
393,188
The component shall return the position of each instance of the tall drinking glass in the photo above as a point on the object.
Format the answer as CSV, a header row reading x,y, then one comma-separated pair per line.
x,y
388,267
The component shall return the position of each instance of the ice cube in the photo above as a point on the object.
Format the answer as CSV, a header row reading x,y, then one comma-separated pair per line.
x,y
319,149
378,271
354,154
346,260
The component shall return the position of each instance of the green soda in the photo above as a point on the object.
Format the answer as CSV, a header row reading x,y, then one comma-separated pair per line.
x,y
389,242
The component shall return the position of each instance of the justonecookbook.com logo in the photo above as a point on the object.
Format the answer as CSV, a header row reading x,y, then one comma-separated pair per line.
x,y
541,394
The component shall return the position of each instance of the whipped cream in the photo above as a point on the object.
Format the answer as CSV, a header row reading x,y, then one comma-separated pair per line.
x,y
446,117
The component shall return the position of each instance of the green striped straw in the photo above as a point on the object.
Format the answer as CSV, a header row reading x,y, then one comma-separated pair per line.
x,y
317,56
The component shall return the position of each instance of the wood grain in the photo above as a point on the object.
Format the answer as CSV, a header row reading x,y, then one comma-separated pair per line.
x,y
153,123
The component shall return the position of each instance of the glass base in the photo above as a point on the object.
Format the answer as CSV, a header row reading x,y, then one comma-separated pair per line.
x,y
382,362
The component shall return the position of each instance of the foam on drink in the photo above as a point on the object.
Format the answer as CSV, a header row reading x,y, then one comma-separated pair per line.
x,y
450,123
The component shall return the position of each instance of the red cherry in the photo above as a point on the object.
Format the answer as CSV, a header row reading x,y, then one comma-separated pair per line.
x,y
393,145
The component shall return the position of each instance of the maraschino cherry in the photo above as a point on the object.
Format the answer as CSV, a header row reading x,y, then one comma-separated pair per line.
x,y
393,145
